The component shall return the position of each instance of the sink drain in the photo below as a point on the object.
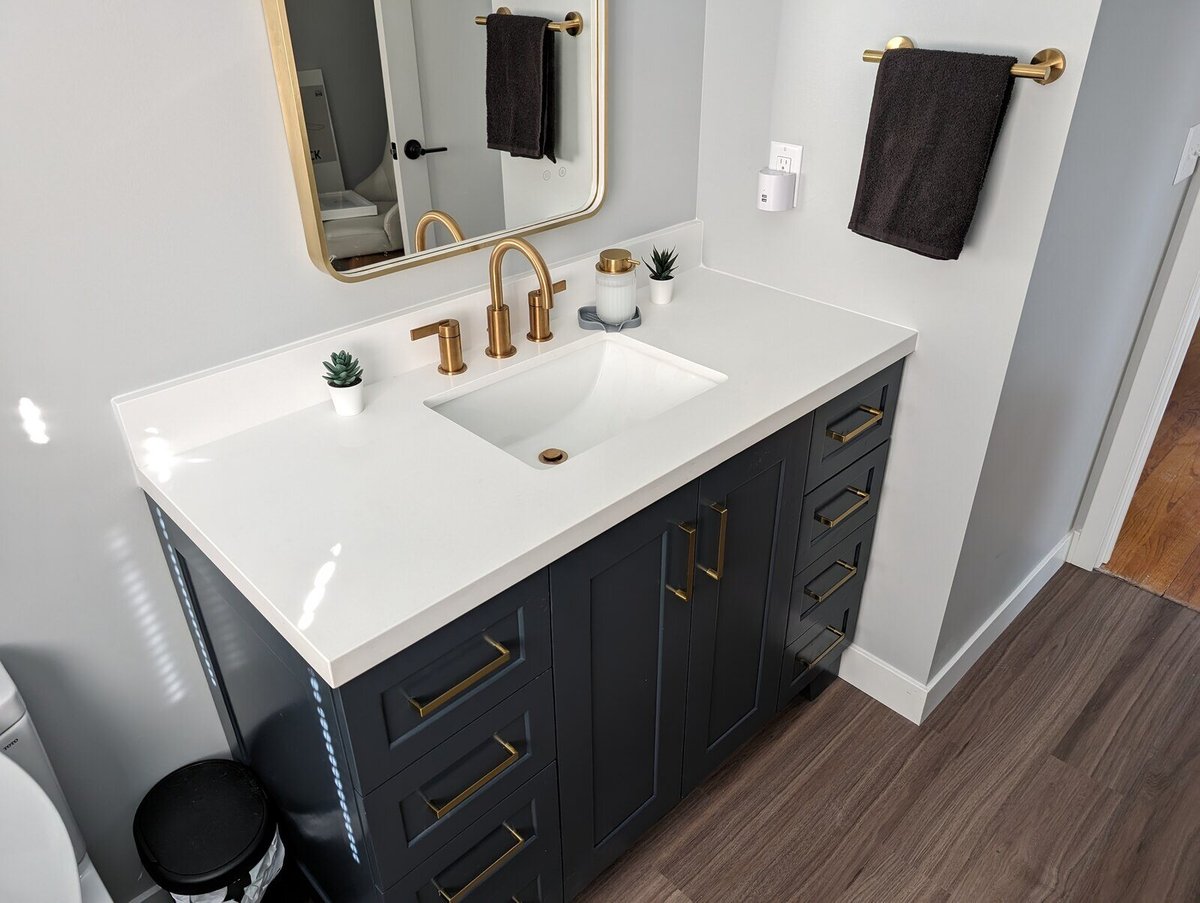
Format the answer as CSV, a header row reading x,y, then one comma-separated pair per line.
x,y
552,456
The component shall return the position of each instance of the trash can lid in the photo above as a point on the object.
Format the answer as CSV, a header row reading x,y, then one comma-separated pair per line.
x,y
202,826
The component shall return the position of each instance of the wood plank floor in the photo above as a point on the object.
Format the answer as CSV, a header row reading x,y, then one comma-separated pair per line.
x,y
1159,545
1065,766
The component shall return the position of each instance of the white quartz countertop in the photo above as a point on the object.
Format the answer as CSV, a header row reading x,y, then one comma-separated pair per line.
x,y
357,537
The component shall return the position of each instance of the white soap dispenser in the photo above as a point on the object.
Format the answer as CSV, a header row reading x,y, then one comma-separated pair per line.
x,y
616,286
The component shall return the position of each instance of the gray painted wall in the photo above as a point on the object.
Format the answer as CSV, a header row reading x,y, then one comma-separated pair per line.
x,y
135,253
339,38
1111,218
792,71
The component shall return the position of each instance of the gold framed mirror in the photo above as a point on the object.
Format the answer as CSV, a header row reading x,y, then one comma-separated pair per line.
x,y
422,129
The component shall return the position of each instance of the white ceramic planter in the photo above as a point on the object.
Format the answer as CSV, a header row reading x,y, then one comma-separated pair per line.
x,y
662,290
347,400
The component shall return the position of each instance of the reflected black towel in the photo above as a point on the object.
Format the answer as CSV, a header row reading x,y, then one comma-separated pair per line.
x,y
934,123
521,114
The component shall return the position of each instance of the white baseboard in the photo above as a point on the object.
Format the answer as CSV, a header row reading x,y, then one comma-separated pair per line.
x,y
883,683
915,700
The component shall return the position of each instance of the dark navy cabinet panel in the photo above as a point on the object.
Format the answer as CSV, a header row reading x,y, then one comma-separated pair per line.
x,y
748,518
441,794
620,671
471,664
840,505
840,572
853,423
281,720
511,848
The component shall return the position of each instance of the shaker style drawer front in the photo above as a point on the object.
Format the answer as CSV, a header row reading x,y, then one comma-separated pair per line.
x,y
509,849
400,710
840,506
415,813
836,576
853,424
822,636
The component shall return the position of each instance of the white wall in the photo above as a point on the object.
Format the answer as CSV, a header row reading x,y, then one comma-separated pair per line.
x,y
151,229
792,71
1110,221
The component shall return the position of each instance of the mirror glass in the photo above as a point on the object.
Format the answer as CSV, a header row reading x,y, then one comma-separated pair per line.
x,y
423,128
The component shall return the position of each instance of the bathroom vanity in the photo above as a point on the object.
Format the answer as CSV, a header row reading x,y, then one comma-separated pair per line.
x,y
462,672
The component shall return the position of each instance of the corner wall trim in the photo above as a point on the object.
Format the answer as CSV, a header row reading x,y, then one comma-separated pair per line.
x,y
915,700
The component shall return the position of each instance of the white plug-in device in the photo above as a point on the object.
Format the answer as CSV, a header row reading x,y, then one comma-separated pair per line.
x,y
779,183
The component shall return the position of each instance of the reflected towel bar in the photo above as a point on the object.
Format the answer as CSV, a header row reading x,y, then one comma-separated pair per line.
x,y
573,25
1047,65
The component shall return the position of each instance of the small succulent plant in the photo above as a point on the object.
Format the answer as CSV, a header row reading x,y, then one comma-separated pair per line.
x,y
342,370
662,264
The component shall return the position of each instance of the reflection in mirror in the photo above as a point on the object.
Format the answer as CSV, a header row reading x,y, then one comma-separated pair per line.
x,y
429,126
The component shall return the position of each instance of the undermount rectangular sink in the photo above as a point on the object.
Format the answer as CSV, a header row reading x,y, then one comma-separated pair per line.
x,y
574,400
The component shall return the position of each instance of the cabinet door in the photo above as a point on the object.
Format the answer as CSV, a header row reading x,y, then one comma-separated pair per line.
x,y
620,670
749,518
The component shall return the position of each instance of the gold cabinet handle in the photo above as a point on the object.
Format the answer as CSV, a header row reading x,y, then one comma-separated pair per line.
x,y
450,805
461,894
863,498
505,656
851,572
843,438
808,666
686,594
719,572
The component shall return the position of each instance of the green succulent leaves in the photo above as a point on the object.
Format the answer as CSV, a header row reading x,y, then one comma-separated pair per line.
x,y
342,370
662,264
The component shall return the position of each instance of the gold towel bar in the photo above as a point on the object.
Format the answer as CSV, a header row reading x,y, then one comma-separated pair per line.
x,y
572,26
1047,66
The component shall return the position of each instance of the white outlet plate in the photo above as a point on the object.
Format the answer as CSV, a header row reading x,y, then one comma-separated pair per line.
x,y
1191,152
788,157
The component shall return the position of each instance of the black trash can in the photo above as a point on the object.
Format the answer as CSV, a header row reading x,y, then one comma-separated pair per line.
x,y
207,832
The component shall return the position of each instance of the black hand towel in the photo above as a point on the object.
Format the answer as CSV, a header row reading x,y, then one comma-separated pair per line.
x,y
521,103
934,123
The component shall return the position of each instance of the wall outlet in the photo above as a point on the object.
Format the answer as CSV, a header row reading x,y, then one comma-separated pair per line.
x,y
786,157
1191,153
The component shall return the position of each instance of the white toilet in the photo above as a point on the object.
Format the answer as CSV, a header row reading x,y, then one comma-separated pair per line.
x,y
42,857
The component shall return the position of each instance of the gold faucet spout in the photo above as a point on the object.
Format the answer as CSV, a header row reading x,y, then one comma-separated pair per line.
x,y
499,329
421,241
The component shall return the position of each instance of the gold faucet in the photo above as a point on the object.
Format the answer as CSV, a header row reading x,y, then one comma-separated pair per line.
x,y
449,345
435,216
499,330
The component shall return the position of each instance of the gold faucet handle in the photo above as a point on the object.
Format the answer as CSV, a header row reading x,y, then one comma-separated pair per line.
x,y
449,335
535,296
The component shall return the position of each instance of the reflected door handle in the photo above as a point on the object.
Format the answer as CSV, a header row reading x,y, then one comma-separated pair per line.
x,y
414,151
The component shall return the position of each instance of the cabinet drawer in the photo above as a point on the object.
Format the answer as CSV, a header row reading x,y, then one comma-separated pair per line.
x,y
511,848
853,423
400,710
841,505
443,792
837,576
823,635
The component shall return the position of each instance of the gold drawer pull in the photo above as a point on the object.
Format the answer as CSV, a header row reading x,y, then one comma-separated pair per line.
x,y
851,572
843,438
505,656
808,666
863,498
466,889
478,785
686,594
719,571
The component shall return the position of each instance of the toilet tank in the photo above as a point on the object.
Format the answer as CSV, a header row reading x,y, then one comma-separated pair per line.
x,y
19,741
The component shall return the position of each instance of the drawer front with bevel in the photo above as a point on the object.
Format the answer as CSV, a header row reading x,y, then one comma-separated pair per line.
x,y
419,810
852,424
400,710
840,506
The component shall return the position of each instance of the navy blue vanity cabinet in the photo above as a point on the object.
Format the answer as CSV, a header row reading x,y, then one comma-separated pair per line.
x,y
622,618
749,517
